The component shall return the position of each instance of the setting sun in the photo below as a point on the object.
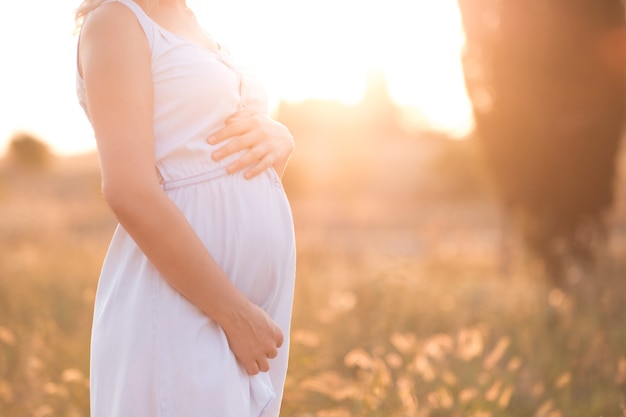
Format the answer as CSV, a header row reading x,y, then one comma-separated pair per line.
x,y
323,49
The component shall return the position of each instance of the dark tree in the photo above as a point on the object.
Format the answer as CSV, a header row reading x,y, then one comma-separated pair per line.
x,y
27,151
545,79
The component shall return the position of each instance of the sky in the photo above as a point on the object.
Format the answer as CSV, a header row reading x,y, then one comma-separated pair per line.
x,y
299,48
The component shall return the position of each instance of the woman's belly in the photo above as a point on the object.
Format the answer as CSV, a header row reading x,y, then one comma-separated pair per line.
x,y
247,227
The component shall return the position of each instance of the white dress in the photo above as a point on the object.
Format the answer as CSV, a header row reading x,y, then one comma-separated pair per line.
x,y
153,353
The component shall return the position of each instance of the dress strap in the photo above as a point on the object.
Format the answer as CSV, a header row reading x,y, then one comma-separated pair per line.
x,y
144,20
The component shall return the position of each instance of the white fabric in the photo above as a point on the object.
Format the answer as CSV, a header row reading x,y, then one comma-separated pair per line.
x,y
154,353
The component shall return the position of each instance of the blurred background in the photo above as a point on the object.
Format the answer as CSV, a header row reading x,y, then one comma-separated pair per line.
x,y
459,198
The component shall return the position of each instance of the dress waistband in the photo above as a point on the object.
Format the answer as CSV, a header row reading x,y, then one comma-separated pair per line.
x,y
174,184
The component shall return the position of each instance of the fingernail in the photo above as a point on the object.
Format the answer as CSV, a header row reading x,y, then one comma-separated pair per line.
x,y
247,175
211,140
217,155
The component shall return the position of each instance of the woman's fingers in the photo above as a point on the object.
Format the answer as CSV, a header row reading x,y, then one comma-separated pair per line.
x,y
243,114
253,156
233,127
261,141
244,139
252,368
272,353
280,339
254,338
235,145
236,125
263,365
266,162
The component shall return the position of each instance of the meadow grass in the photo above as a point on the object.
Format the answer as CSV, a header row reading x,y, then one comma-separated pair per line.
x,y
390,318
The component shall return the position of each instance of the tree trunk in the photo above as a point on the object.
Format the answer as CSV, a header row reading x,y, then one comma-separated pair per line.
x,y
547,87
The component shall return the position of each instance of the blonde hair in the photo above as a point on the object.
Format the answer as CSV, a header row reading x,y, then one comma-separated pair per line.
x,y
87,6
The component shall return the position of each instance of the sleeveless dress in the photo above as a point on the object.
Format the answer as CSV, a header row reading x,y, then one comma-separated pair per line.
x,y
153,353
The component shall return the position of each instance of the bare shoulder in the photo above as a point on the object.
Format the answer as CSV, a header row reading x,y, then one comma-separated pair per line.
x,y
112,23
111,35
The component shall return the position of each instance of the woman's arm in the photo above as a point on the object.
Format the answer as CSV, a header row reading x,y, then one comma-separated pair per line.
x,y
114,59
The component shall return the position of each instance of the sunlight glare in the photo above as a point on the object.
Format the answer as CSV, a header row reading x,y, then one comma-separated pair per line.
x,y
326,49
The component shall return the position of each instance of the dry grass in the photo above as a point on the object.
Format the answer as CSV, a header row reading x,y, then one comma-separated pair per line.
x,y
406,304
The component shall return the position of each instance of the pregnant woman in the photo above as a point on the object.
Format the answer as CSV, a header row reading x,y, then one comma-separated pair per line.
x,y
194,300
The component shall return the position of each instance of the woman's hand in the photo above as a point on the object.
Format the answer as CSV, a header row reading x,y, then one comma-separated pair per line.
x,y
253,337
268,143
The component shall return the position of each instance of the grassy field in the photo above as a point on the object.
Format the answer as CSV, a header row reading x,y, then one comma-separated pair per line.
x,y
410,301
